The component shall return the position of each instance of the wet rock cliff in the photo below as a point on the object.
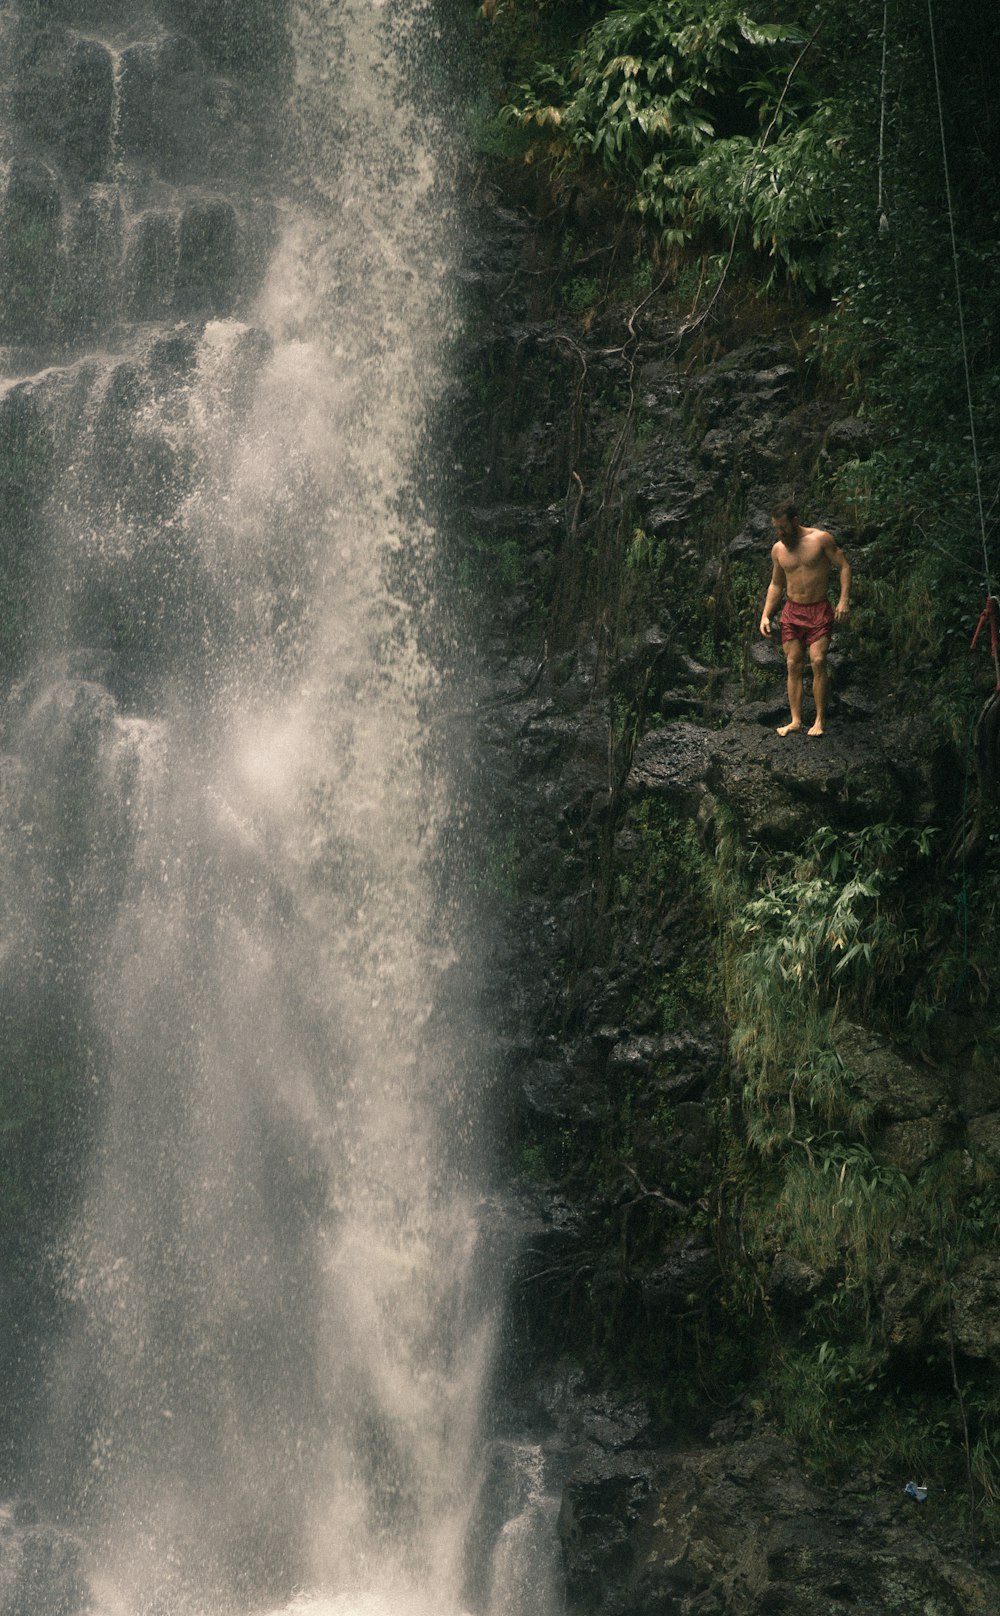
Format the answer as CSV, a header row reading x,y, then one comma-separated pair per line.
x,y
138,155
687,1131
135,211
757,1290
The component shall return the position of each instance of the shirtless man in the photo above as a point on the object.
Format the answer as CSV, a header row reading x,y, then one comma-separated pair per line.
x,y
803,558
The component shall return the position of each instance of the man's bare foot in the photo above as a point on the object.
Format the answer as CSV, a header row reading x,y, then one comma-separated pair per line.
x,y
817,729
787,729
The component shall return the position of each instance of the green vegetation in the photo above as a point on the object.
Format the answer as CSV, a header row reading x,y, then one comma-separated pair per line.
x,y
851,929
830,922
736,180
665,873
666,103
742,153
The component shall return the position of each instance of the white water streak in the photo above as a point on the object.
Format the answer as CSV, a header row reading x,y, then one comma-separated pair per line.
x,y
282,1351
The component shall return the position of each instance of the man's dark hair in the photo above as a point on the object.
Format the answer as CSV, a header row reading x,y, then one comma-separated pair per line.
x,y
786,507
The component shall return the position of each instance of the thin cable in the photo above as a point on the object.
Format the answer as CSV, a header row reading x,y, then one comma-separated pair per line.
x,y
958,297
883,221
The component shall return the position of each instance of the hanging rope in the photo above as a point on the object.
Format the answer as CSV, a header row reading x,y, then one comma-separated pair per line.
x,y
985,735
883,217
990,617
990,609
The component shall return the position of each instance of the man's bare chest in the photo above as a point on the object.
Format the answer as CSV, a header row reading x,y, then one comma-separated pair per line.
x,y
803,562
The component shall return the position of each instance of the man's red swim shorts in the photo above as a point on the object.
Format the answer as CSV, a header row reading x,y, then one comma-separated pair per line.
x,y
806,623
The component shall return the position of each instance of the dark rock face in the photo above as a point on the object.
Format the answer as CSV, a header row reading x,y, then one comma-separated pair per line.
x,y
850,439
736,1527
792,1284
780,787
616,752
977,1308
207,258
914,1109
672,763
151,265
65,95
739,1530
30,253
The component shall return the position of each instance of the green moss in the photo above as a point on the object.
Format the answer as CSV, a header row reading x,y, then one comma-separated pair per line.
x,y
580,293
667,869
741,598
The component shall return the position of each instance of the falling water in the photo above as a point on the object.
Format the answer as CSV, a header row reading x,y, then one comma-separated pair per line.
x,y
228,804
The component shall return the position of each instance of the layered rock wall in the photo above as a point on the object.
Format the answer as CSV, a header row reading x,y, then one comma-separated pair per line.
x,y
622,469
138,154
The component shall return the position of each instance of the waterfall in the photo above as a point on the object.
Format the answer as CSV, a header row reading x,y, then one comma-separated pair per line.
x,y
226,804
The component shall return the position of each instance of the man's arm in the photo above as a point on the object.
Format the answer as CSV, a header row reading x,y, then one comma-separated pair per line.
x,y
837,559
775,590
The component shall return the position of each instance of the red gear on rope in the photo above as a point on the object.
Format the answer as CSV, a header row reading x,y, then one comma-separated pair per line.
x,y
989,615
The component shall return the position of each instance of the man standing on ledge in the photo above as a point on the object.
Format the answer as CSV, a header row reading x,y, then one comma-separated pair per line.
x,y
803,558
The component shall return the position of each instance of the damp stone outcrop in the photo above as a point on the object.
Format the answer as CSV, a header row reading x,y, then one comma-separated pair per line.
x,y
665,1305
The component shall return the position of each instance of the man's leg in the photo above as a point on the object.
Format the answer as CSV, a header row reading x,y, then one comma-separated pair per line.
x,y
794,656
817,658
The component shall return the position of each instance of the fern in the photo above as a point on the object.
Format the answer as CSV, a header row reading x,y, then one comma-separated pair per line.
x,y
667,101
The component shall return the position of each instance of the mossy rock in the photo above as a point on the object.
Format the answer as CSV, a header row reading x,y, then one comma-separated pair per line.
x,y
976,1306
30,252
900,1089
207,258
88,291
151,265
25,453
65,97
162,97
249,37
